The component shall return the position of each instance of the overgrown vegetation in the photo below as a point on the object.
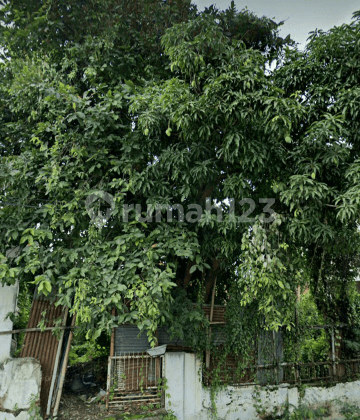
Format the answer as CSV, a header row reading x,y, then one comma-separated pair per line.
x,y
108,104
83,350
85,135
21,317
303,343
168,416
34,408
346,410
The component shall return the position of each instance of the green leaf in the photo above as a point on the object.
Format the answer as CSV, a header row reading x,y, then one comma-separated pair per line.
x,y
193,268
131,85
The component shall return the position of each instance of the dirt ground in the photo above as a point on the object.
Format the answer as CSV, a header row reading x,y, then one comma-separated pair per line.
x,y
80,399
72,407
74,400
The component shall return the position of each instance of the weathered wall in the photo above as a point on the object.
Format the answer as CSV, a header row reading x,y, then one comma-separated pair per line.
x,y
190,401
7,416
8,296
20,379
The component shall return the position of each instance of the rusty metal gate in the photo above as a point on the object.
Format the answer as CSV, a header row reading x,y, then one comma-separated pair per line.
x,y
134,380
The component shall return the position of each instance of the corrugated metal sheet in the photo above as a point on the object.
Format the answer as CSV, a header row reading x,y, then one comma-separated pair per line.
x,y
218,334
270,351
164,338
43,345
127,340
218,313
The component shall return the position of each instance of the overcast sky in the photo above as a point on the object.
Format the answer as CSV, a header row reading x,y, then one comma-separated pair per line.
x,y
302,16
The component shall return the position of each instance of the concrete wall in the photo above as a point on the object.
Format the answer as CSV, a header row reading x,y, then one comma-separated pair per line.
x,y
8,416
8,296
190,401
20,379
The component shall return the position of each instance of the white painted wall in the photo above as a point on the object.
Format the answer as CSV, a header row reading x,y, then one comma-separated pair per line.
x,y
191,401
20,379
8,296
185,388
8,416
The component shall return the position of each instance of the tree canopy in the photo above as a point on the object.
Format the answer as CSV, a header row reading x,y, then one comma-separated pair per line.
x,y
153,104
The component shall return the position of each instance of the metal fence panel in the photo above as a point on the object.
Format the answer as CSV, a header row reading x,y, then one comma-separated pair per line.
x,y
135,379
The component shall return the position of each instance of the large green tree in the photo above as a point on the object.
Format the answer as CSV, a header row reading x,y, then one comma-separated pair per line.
x,y
76,80
154,104
322,186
